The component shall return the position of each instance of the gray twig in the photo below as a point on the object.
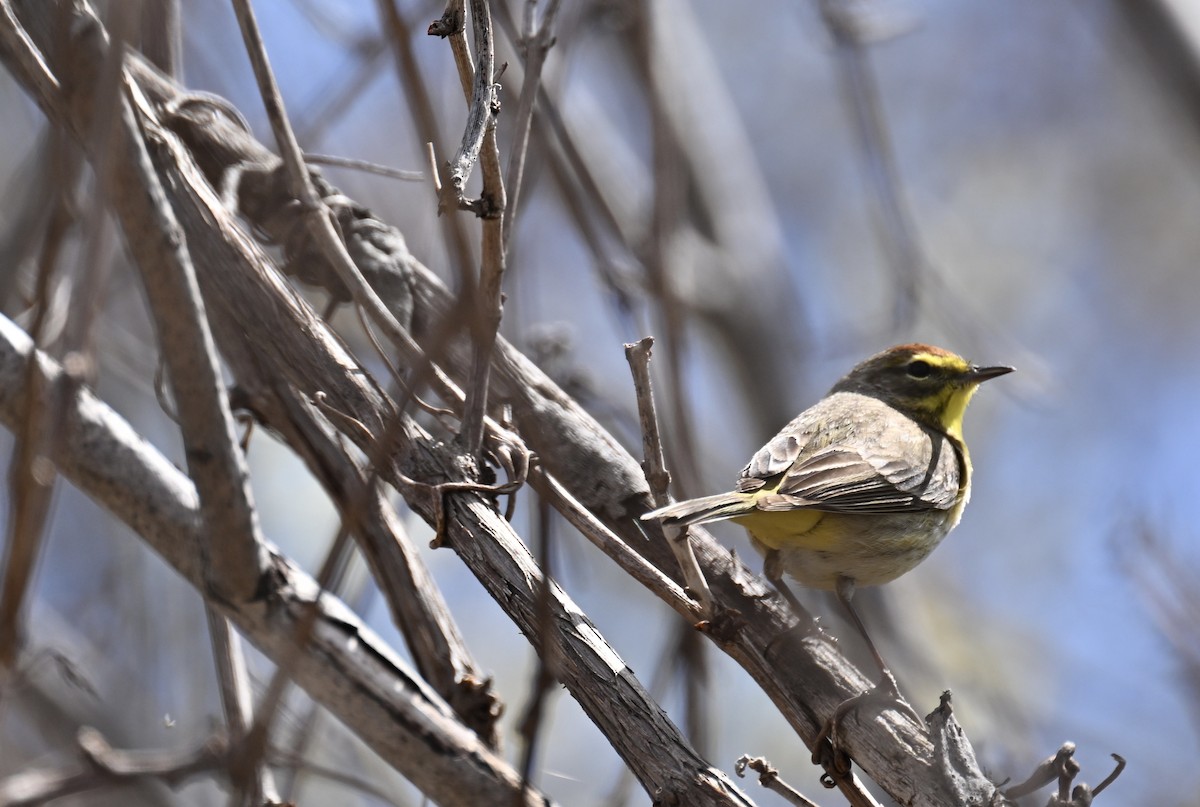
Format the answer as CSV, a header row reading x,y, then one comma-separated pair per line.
x,y
420,109
897,230
768,777
612,545
536,40
479,139
638,356
233,680
365,166
1062,768
105,766
32,475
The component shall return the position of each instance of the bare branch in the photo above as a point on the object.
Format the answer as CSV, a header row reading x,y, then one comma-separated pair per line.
x,y
236,702
420,109
536,41
480,138
105,766
31,475
19,50
638,356
768,777
364,166
897,231
268,89
612,545
344,666
215,460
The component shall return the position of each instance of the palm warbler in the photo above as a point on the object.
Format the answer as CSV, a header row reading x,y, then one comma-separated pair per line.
x,y
861,487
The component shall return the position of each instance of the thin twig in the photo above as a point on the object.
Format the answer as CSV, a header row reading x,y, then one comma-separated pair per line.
x,y
485,324
36,75
365,166
482,102
452,27
420,108
1112,777
536,41
638,356
253,750
32,475
610,544
289,149
768,777
233,681
106,766
897,229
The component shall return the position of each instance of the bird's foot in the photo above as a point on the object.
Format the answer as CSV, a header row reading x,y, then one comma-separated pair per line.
x,y
828,750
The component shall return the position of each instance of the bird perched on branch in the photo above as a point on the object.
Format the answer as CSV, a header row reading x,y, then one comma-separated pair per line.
x,y
860,488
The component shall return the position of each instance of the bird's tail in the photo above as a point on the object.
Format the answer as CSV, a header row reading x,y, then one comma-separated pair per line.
x,y
703,510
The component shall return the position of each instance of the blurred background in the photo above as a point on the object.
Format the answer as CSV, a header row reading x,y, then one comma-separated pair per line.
x,y
774,190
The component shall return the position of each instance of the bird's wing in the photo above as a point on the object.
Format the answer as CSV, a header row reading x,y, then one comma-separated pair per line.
x,y
855,459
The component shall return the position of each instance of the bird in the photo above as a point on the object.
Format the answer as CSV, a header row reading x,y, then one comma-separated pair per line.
x,y
859,488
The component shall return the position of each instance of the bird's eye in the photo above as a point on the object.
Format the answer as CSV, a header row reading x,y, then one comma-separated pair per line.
x,y
919,369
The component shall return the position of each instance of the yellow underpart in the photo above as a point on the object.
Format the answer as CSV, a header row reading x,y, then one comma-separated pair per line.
x,y
790,529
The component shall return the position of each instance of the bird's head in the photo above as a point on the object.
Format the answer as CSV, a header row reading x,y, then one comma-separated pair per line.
x,y
927,383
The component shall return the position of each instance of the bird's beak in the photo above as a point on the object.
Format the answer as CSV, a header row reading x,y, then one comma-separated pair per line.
x,y
977,375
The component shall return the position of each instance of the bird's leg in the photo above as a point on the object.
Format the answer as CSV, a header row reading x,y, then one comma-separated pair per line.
x,y
831,755
887,681
773,570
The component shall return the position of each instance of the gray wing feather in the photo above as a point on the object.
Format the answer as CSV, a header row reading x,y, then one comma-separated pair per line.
x,y
816,470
